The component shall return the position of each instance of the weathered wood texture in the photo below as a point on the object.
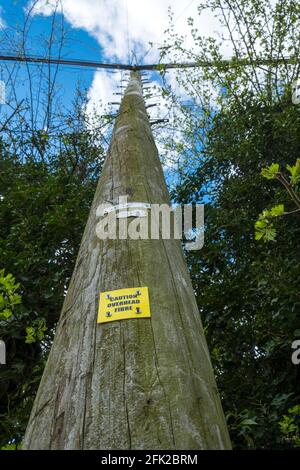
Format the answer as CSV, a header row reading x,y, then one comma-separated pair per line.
x,y
130,384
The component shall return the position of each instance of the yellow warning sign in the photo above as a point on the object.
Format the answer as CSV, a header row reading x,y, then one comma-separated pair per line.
x,y
121,304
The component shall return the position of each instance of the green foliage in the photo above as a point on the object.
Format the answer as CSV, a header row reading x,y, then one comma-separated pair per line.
x,y
237,122
247,292
271,171
290,426
44,206
161,68
295,172
264,228
8,296
243,424
36,332
10,447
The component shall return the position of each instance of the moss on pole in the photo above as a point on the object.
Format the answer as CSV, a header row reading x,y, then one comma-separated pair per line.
x,y
143,383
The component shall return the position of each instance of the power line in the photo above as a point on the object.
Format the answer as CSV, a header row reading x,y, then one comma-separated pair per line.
x,y
77,62
227,63
182,11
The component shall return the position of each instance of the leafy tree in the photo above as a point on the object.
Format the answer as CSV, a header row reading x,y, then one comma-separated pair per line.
x,y
51,154
9,298
290,426
264,226
239,119
43,210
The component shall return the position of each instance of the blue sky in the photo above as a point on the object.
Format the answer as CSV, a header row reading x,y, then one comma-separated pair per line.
x,y
79,44
103,30
98,30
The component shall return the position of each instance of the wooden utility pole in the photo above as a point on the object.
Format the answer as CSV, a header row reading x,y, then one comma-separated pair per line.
x,y
142,383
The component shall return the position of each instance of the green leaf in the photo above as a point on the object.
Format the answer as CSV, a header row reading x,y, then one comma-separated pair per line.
x,y
276,210
295,172
5,314
259,235
248,422
36,332
270,234
161,67
30,337
294,410
264,230
270,172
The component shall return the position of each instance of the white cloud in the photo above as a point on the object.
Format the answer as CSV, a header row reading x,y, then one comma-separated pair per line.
x,y
2,22
123,26
102,90
119,25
